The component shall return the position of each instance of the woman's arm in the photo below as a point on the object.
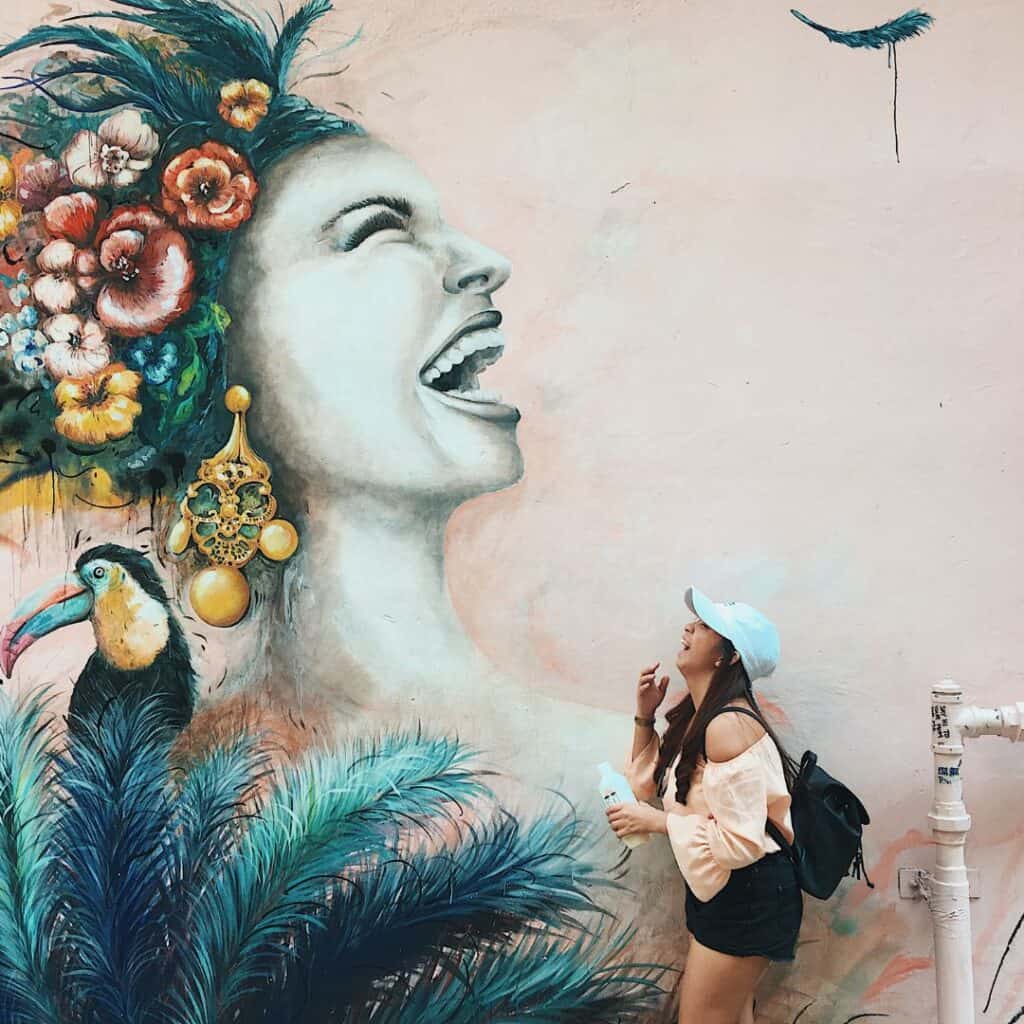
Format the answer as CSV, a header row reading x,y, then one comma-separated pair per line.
x,y
644,756
649,694
642,735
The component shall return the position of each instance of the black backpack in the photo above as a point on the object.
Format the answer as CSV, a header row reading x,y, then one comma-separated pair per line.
x,y
828,820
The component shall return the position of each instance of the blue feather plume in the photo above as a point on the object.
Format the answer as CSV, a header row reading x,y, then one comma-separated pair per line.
x,y
293,33
139,73
217,36
211,44
114,865
147,900
322,815
391,918
906,26
207,823
27,895
540,978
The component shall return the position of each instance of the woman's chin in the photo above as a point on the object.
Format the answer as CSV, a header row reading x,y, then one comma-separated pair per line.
x,y
495,467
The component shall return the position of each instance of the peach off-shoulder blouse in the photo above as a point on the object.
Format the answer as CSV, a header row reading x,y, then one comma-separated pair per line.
x,y
721,824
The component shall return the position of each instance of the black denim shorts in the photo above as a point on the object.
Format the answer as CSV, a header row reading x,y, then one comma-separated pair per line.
x,y
758,913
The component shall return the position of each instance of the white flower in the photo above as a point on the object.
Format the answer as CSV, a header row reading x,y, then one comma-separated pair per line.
x,y
78,346
116,154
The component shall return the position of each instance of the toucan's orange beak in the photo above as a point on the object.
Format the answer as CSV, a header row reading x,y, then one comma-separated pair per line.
x,y
58,603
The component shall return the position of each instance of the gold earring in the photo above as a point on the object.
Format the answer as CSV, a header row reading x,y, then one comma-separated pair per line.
x,y
228,513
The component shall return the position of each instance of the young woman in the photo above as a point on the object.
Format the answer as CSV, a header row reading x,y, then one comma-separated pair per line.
x,y
722,775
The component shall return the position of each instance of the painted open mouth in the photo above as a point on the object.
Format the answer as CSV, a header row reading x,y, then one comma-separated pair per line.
x,y
453,372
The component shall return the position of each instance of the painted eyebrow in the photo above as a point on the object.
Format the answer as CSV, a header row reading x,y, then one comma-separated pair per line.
x,y
400,206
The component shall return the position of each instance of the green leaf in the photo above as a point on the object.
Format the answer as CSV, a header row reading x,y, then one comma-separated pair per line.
x,y
184,412
221,317
189,375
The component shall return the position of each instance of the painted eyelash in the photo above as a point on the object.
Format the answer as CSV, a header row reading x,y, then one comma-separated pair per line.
x,y
378,222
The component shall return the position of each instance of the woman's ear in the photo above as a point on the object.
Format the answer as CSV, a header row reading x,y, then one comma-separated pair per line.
x,y
735,657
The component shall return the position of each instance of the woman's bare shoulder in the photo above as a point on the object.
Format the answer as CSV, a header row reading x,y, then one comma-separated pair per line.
x,y
730,735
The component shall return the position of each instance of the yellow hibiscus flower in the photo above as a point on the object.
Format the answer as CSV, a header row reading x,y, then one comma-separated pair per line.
x,y
244,104
99,408
10,208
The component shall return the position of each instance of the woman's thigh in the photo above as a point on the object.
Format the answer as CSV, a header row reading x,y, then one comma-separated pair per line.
x,y
716,986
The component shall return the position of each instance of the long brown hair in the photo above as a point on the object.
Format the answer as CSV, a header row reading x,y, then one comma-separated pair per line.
x,y
687,725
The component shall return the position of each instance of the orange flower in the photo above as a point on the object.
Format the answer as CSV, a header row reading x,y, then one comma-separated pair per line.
x,y
10,208
244,104
99,408
211,187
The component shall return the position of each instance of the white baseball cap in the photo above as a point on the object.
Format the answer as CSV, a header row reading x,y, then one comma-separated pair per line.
x,y
753,636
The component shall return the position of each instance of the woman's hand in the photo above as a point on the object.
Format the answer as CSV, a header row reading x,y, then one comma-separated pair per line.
x,y
636,819
649,692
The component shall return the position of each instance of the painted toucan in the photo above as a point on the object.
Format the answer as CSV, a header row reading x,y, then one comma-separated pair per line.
x,y
141,652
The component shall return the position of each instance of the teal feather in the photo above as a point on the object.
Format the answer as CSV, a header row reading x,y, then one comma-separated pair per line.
x,y
161,901
293,32
27,895
140,73
323,812
906,26
540,978
111,842
497,882
217,37
207,822
220,45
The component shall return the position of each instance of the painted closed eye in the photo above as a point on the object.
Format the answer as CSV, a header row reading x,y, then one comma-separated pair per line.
x,y
383,221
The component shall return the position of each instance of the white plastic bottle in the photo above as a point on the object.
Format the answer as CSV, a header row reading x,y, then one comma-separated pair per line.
x,y
615,790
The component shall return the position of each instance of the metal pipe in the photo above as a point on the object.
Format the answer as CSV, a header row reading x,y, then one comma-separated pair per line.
x,y
946,887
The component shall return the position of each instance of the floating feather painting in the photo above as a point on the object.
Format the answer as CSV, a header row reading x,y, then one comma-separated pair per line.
x,y
907,26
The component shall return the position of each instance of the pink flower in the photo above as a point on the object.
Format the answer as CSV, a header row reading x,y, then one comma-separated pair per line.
x,y
72,217
41,181
78,346
69,267
115,155
69,275
150,272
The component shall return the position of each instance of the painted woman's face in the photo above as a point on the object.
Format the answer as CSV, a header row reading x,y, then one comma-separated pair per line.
x,y
361,324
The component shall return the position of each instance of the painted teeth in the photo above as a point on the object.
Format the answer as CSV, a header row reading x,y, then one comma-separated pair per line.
x,y
478,395
477,340
454,354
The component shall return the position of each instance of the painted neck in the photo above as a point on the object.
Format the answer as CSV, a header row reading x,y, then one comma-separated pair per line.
x,y
367,613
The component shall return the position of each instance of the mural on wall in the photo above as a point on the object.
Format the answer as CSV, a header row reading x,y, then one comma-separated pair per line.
x,y
906,26
243,394
163,861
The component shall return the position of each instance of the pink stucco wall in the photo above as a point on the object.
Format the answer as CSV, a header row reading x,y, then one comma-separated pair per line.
x,y
753,353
